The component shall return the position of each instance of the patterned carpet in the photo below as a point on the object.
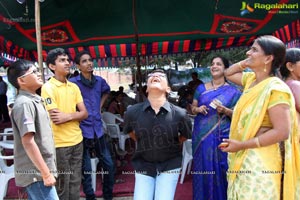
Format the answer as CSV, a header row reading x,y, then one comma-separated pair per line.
x,y
183,191
123,188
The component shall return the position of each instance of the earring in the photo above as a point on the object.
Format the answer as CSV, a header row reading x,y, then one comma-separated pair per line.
x,y
265,68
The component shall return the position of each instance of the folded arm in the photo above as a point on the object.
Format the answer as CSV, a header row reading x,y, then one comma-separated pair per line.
x,y
59,117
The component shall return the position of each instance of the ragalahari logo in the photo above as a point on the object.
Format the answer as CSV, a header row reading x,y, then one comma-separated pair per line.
x,y
245,9
278,8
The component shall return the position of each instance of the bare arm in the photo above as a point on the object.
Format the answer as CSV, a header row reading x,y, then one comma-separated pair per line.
x,y
235,72
132,135
182,139
296,93
222,109
59,117
35,156
280,119
201,109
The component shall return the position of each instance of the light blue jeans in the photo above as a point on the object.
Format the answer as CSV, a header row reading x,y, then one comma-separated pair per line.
x,y
161,187
38,191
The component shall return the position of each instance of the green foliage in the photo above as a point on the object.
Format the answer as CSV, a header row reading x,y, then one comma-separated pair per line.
x,y
233,55
200,59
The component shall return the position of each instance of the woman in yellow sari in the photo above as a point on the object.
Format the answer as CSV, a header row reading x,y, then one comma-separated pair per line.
x,y
264,158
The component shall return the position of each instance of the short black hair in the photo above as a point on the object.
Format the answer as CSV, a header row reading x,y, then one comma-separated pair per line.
x,y
53,54
17,69
194,73
158,70
78,56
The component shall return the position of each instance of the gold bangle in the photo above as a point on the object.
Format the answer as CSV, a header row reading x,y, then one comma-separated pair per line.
x,y
241,67
256,140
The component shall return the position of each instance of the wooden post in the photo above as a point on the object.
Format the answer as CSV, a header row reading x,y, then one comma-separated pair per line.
x,y
138,62
38,38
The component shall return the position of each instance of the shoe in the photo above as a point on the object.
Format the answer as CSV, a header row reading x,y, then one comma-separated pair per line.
x,y
119,181
90,197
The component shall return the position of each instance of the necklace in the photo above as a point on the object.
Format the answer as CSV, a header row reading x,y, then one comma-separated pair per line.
x,y
215,88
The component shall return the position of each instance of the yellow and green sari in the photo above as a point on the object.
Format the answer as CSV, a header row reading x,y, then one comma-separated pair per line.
x,y
260,173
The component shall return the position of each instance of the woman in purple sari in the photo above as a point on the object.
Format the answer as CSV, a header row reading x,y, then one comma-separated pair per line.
x,y
213,103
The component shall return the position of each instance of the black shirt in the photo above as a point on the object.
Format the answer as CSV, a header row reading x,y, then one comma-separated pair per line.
x,y
158,148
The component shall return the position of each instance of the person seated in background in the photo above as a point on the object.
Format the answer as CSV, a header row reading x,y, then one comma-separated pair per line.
x,y
185,98
121,90
116,106
141,97
193,84
74,74
127,100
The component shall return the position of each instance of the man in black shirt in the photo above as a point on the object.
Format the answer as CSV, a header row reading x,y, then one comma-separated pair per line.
x,y
158,127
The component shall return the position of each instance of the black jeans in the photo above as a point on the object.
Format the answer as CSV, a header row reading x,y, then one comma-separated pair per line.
x,y
100,148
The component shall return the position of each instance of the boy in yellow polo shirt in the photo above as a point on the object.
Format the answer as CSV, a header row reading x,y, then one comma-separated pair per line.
x,y
66,109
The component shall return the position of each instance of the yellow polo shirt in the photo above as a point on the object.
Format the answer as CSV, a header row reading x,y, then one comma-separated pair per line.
x,y
64,97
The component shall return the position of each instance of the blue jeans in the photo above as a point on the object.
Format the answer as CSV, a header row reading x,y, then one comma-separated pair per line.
x,y
38,190
69,163
161,187
102,151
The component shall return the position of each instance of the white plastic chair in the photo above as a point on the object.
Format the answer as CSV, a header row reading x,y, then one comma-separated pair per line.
x,y
6,133
7,172
113,128
187,158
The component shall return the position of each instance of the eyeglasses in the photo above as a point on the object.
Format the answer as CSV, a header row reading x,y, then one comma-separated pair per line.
x,y
157,75
35,71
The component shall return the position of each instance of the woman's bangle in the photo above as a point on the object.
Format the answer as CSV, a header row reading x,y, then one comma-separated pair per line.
x,y
241,67
257,142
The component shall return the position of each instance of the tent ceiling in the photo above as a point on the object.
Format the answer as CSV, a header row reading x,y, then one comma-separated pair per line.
x,y
106,27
